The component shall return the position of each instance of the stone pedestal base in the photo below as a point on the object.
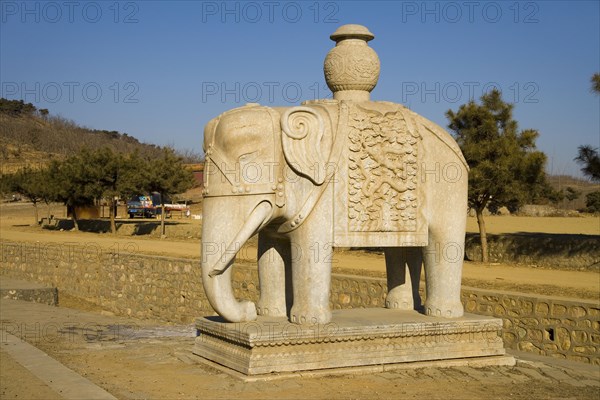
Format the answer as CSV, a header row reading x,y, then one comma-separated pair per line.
x,y
358,337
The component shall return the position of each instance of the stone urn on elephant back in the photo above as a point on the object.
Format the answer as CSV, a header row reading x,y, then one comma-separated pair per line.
x,y
341,172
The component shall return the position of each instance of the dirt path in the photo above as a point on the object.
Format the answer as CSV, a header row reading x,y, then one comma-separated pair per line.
x,y
165,247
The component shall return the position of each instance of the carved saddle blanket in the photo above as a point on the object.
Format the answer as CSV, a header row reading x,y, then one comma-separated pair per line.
x,y
377,180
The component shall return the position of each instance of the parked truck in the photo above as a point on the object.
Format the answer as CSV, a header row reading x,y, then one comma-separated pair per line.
x,y
149,206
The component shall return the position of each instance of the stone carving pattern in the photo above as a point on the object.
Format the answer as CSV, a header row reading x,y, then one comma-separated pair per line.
x,y
382,172
409,337
355,70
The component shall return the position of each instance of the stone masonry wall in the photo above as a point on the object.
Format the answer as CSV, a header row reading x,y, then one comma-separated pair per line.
x,y
543,325
170,289
47,296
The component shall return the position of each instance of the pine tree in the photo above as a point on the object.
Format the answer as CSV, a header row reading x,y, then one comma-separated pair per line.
x,y
589,160
505,168
167,176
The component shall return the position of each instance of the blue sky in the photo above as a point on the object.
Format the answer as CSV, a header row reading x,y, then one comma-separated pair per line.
x,y
160,70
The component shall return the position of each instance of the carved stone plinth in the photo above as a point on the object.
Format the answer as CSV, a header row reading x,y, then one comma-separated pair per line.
x,y
359,337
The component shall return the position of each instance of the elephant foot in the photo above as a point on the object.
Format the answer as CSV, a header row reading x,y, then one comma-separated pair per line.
x,y
398,298
303,316
444,309
248,311
270,311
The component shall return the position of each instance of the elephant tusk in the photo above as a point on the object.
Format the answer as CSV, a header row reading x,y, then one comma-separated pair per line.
x,y
256,220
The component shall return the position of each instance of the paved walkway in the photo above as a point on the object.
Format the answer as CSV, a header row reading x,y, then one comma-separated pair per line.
x,y
50,372
122,358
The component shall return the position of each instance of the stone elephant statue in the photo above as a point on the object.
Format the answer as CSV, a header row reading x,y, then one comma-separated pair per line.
x,y
341,172
331,173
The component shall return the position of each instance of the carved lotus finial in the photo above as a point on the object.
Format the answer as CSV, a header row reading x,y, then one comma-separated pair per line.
x,y
351,67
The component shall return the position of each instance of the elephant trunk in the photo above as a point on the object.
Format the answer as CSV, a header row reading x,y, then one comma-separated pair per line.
x,y
222,237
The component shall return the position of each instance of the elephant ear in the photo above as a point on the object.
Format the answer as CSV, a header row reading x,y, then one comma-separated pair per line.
x,y
306,145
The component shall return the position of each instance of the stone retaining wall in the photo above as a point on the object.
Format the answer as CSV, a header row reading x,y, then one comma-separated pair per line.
x,y
170,289
556,327
47,296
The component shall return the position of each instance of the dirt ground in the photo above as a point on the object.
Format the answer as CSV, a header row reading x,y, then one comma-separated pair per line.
x,y
156,362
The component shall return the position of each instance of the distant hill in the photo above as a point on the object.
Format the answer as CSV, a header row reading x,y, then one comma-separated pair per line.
x,y
30,137
562,182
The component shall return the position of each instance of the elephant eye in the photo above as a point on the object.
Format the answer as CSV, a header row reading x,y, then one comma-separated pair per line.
x,y
244,158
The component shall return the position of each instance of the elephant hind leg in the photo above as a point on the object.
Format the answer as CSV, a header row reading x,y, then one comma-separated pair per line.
x,y
443,267
403,293
274,258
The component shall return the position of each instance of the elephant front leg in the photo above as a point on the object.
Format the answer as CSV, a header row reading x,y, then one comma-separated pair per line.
x,y
274,259
403,293
311,276
443,259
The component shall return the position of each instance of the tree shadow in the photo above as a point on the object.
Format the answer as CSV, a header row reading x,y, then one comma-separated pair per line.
x,y
140,228
148,227
531,247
